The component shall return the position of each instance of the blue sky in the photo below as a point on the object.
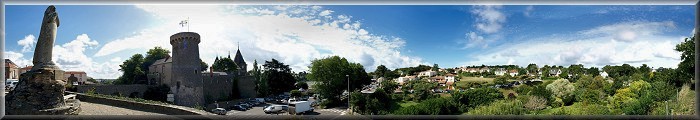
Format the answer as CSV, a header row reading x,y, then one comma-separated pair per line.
x,y
96,39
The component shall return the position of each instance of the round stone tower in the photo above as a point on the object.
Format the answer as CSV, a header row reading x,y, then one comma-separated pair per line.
x,y
186,68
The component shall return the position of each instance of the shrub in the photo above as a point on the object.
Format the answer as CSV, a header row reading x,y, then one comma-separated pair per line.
x,y
563,91
434,106
584,109
536,103
500,107
476,97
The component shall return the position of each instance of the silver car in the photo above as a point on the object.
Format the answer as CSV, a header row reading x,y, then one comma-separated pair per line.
x,y
275,109
219,111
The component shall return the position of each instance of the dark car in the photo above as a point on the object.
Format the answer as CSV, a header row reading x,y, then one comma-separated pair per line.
x,y
238,107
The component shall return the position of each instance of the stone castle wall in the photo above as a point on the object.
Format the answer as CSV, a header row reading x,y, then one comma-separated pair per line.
x,y
124,90
246,86
217,87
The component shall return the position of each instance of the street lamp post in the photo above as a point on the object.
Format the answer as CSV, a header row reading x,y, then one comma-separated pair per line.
x,y
349,108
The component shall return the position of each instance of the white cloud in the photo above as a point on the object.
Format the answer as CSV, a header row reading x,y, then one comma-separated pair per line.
x,y
71,57
295,35
528,10
325,13
27,43
489,21
489,18
17,58
629,31
594,48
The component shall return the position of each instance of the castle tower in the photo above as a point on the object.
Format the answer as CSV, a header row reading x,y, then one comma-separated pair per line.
x,y
242,66
186,69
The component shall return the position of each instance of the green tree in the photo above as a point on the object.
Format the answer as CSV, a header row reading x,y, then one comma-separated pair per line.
x,y
224,64
562,90
532,68
204,66
152,55
500,107
593,71
435,67
131,71
381,71
500,80
278,76
475,97
330,74
686,69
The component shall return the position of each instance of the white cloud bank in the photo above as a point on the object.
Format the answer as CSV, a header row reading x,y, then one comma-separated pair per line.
x,y
294,35
27,43
633,42
488,21
71,57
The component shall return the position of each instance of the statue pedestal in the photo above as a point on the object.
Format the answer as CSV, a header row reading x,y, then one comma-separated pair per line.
x,y
40,92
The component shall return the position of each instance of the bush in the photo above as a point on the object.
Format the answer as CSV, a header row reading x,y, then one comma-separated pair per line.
x,y
536,103
500,107
583,109
476,97
563,91
435,106
157,93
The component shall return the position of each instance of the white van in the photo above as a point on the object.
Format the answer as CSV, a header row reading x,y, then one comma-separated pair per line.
x,y
10,84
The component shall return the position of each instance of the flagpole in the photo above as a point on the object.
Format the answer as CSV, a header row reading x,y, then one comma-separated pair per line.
x,y
188,24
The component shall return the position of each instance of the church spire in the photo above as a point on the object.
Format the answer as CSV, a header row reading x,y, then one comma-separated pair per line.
x,y
229,54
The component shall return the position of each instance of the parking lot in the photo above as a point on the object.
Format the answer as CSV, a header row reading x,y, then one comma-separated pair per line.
x,y
258,110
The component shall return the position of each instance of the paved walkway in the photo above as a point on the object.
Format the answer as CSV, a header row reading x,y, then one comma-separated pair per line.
x,y
100,109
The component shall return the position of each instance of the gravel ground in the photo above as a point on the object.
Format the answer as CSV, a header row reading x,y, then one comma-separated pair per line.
x,y
100,109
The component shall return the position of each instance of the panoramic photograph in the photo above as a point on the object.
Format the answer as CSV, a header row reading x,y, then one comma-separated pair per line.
x,y
307,61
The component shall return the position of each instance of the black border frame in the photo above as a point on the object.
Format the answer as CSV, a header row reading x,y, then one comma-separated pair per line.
x,y
356,2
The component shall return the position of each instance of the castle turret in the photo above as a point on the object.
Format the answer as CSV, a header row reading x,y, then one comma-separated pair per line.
x,y
187,69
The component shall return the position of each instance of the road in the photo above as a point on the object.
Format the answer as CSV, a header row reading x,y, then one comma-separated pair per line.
x,y
87,108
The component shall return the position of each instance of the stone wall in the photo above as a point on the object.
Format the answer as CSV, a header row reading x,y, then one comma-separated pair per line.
x,y
246,86
216,87
125,90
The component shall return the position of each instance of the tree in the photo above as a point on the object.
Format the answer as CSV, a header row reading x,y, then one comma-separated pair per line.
x,y
302,85
593,71
500,80
562,89
435,67
576,71
278,76
330,74
224,65
204,66
686,69
500,107
532,68
381,71
477,97
132,72
152,55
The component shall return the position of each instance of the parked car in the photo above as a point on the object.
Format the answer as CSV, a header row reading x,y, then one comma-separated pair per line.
x,y
219,111
275,109
246,106
238,107
10,84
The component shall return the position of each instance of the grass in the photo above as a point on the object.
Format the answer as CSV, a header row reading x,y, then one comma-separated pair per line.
x,y
475,79
407,103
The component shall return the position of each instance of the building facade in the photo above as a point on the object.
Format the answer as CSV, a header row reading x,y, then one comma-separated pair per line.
x,y
11,70
76,77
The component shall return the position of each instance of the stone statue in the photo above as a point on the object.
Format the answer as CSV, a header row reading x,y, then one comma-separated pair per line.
x,y
40,91
47,36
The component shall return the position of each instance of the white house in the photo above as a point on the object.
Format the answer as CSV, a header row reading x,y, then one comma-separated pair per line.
x,y
401,80
513,72
500,72
554,72
78,77
604,74
428,73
